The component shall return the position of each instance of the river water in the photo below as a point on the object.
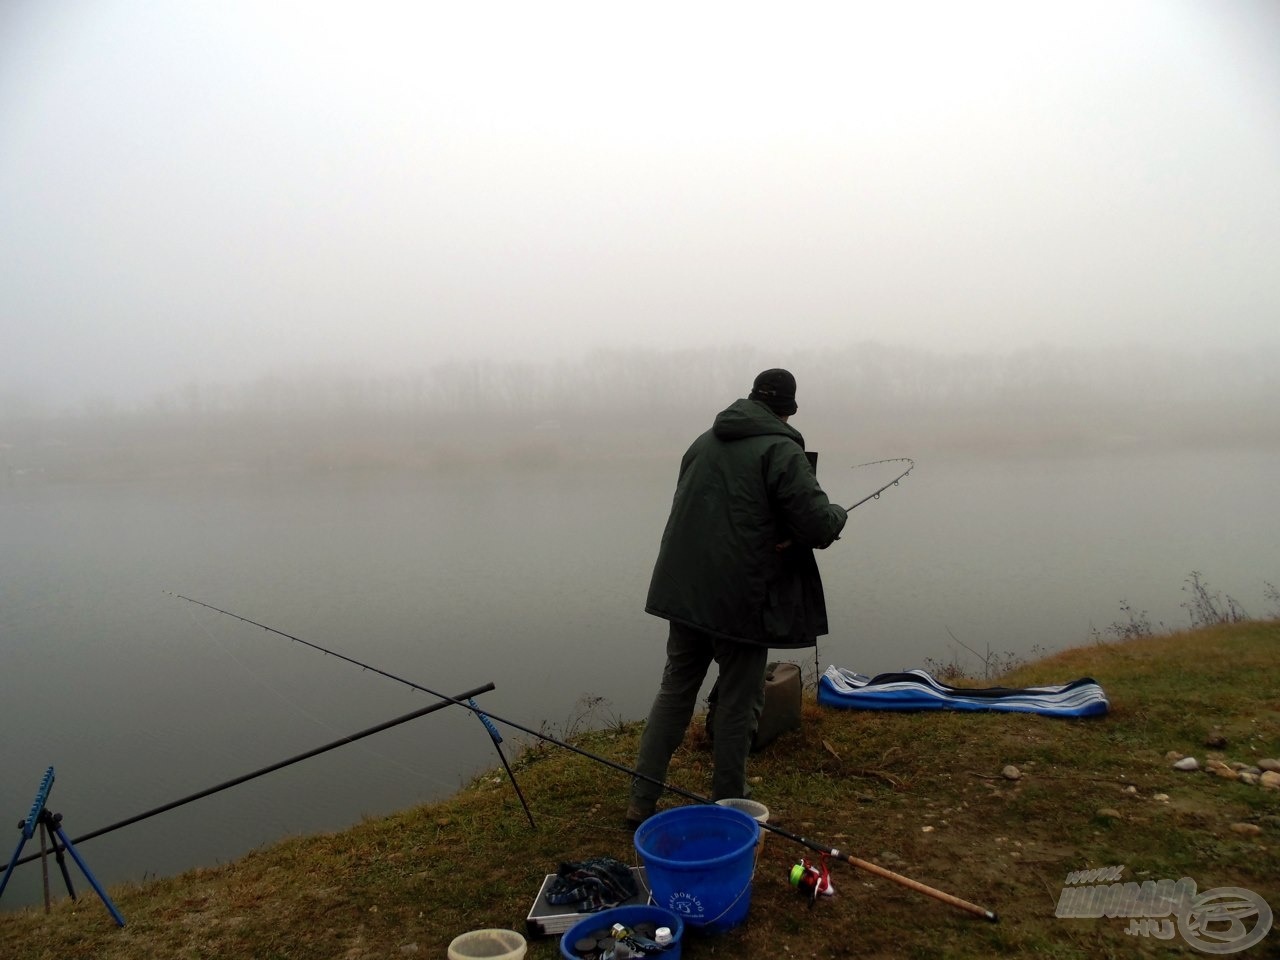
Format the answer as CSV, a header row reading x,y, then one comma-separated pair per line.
x,y
532,579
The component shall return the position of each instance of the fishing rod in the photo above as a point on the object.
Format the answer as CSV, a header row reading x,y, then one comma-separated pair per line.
x,y
857,862
911,465
164,808
470,704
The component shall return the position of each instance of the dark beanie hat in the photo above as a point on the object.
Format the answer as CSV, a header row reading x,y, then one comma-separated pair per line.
x,y
776,389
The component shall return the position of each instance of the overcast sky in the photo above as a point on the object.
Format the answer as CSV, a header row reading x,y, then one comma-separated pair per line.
x,y
212,191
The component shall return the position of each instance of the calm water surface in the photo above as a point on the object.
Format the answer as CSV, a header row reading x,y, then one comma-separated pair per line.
x,y
532,579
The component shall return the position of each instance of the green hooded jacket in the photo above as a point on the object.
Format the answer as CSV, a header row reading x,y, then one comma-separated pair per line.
x,y
745,487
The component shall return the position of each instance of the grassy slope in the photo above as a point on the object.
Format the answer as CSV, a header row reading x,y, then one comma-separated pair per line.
x,y
867,783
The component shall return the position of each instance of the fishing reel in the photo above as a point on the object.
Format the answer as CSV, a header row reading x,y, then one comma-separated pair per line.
x,y
810,880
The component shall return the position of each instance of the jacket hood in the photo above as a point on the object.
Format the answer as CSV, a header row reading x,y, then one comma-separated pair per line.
x,y
751,418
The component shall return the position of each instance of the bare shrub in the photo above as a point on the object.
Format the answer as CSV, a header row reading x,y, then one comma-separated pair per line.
x,y
1134,626
1207,607
994,664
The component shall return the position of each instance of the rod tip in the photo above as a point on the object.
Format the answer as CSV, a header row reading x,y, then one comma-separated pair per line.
x,y
992,916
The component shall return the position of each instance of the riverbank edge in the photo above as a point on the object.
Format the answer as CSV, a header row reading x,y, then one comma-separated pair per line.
x,y
922,794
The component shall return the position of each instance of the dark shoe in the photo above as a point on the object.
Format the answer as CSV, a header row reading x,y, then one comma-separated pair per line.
x,y
637,815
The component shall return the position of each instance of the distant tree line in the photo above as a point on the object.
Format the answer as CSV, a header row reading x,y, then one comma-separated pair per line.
x,y
883,399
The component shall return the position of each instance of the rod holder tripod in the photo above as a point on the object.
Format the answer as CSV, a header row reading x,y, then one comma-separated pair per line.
x,y
51,823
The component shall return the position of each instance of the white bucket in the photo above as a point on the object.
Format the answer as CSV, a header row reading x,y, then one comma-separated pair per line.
x,y
752,809
490,943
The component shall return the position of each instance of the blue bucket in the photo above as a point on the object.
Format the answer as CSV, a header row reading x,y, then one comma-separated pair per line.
x,y
699,861
627,916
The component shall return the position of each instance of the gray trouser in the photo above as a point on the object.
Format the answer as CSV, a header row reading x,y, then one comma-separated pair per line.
x,y
740,699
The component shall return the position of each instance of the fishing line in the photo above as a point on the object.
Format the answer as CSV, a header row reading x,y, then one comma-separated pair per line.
x,y
316,719
391,676
861,864
875,495
911,465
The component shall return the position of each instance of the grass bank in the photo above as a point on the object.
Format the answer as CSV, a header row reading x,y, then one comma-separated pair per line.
x,y
921,794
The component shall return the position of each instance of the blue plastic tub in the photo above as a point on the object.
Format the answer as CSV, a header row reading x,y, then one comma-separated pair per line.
x,y
699,861
628,917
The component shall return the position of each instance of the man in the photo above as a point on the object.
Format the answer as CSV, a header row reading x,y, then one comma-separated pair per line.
x,y
735,576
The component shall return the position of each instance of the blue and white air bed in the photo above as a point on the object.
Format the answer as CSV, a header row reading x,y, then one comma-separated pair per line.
x,y
917,690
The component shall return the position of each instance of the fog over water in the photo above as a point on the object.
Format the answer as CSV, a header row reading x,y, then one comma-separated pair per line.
x,y
499,523
387,324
